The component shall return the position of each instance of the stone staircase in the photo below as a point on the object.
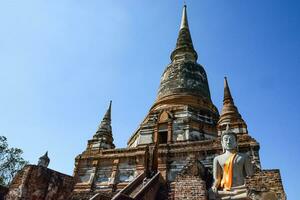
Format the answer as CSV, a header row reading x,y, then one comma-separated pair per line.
x,y
140,188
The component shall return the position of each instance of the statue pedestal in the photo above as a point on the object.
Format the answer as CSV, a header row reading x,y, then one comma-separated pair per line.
x,y
237,193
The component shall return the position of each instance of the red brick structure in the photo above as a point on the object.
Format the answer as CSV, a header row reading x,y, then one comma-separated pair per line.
x,y
189,187
37,183
266,181
171,153
190,183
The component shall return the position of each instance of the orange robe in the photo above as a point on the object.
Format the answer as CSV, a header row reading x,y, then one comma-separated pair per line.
x,y
226,181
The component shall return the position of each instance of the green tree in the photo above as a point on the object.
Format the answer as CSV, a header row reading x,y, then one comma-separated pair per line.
x,y
10,161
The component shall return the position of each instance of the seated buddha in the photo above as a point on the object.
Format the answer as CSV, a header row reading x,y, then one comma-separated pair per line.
x,y
230,170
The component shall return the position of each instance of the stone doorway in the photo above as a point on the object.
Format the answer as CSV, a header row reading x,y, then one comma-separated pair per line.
x,y
162,137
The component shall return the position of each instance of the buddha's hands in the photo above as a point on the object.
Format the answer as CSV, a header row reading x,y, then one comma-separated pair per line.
x,y
214,189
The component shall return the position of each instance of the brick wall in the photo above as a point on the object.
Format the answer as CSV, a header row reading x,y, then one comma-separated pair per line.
x,y
36,182
266,181
188,187
89,195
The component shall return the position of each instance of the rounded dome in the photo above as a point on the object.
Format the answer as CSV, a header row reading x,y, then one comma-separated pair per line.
x,y
184,77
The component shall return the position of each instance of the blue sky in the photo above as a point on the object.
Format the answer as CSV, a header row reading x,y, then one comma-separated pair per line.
x,y
62,61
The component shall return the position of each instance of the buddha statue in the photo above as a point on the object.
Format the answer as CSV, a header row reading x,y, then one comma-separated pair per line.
x,y
230,170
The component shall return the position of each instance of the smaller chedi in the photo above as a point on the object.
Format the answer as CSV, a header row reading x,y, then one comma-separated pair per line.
x,y
103,138
44,160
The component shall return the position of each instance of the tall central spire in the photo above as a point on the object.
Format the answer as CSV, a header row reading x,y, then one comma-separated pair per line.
x,y
184,21
184,47
184,76
183,98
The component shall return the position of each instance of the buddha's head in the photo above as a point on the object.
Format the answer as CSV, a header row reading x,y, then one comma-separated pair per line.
x,y
228,140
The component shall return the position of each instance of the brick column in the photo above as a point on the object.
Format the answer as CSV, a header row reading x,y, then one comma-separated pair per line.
x,y
114,173
93,174
155,139
170,132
